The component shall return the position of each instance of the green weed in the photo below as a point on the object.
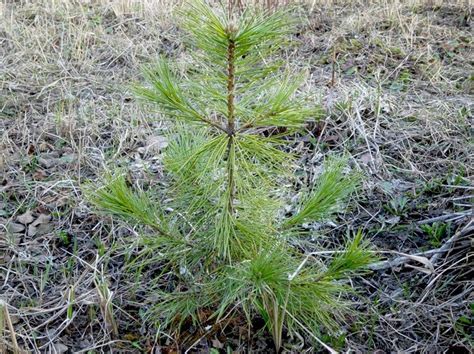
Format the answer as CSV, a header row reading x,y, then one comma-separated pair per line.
x,y
436,232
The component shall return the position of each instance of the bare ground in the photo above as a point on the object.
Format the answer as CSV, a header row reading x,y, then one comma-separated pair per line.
x,y
399,98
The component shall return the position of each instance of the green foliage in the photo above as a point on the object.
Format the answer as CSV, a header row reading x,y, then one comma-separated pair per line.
x,y
332,187
397,205
436,232
464,324
353,258
218,236
118,199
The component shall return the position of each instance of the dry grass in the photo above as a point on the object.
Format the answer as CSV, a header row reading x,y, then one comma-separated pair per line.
x,y
399,99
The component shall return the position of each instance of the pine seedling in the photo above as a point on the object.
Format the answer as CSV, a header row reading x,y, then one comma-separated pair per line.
x,y
217,231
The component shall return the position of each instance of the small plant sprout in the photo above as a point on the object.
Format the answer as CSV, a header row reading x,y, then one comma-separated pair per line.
x,y
436,232
70,303
105,301
397,205
44,278
217,232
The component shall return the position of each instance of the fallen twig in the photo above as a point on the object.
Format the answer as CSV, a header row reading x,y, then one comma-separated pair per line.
x,y
453,216
436,253
404,258
448,244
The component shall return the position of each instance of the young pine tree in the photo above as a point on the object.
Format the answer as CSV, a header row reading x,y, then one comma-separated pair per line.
x,y
220,237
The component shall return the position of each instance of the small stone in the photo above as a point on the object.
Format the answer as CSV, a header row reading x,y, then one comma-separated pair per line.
x,y
32,230
14,227
47,163
155,144
25,218
60,348
42,219
44,229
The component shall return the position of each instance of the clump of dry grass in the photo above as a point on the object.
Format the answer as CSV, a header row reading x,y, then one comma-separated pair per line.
x,y
400,104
